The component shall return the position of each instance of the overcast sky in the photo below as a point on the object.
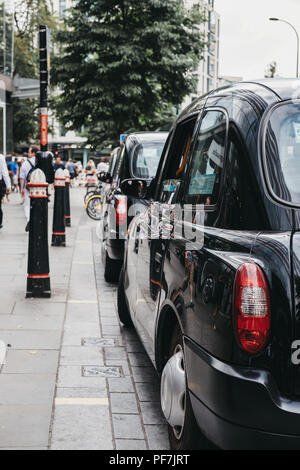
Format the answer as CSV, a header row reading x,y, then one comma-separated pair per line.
x,y
248,41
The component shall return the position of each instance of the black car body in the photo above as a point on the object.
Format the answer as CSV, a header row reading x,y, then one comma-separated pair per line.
x,y
136,159
224,310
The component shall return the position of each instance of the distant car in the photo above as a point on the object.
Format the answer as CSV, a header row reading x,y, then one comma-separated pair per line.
x,y
135,162
217,304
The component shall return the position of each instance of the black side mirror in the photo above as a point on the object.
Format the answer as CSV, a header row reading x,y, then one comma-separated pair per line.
x,y
133,187
105,177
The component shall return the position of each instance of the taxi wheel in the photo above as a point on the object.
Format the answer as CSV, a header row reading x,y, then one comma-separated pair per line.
x,y
184,433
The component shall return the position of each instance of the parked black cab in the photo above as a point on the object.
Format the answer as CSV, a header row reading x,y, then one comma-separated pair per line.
x,y
211,274
134,167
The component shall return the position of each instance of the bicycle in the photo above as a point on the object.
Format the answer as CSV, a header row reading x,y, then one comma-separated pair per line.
x,y
93,186
91,192
93,206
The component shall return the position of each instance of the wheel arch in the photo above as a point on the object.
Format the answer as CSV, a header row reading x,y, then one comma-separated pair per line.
x,y
168,319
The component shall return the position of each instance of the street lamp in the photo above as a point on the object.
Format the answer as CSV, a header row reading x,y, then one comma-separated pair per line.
x,y
284,21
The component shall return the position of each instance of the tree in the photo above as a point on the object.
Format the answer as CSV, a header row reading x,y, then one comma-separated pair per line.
x,y
25,120
271,70
123,64
29,14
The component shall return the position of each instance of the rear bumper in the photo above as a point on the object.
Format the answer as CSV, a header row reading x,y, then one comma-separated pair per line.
x,y
229,436
239,408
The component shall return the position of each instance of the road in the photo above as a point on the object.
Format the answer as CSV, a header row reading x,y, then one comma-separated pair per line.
x,y
73,377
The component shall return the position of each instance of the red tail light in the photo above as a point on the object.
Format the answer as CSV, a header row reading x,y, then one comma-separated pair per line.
x,y
251,308
121,210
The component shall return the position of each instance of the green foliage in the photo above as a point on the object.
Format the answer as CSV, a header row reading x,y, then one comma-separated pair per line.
x,y
124,64
29,14
25,120
271,70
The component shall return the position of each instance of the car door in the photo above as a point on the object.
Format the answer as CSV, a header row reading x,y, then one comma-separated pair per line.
x,y
108,198
152,244
193,275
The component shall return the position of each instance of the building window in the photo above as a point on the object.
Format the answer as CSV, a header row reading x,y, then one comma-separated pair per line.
x,y
210,84
6,42
62,7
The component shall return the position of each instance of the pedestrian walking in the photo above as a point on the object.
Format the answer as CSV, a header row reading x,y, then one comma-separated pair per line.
x,y
103,166
20,163
25,172
72,170
58,164
91,165
14,175
5,185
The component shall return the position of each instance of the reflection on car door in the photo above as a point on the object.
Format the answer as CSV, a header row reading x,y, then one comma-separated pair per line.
x,y
152,251
193,273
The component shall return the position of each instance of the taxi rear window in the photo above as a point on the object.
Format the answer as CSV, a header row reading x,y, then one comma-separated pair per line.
x,y
282,152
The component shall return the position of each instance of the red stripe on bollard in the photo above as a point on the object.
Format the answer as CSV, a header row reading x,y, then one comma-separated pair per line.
x,y
38,276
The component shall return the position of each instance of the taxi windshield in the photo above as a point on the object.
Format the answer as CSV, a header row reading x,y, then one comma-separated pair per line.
x,y
145,159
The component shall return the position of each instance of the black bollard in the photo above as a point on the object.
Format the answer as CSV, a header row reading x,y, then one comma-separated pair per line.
x,y
38,278
59,224
67,199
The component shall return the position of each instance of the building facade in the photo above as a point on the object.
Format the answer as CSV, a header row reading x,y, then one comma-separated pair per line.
x,y
6,73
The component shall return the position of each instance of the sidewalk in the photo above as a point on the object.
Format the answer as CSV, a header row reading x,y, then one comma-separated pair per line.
x,y
73,378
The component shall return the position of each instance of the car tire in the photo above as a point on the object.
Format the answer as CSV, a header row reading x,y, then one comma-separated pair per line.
x,y
188,436
123,310
111,269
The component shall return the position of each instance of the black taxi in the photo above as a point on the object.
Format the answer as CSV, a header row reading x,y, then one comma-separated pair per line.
x,y
211,273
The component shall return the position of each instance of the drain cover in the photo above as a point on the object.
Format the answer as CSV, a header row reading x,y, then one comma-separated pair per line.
x,y
102,371
101,342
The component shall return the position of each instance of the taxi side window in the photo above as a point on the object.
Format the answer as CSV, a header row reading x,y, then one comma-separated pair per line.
x,y
177,160
179,150
207,160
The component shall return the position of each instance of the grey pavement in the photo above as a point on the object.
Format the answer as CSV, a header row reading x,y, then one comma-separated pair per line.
x,y
73,377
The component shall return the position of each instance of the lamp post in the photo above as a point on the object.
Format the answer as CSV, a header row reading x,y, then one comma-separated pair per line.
x,y
297,35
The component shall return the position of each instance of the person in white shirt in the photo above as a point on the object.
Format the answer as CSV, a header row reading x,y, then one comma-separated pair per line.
x,y
103,166
25,170
5,185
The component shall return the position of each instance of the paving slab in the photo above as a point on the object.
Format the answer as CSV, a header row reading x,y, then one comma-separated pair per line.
x,y
31,362
71,376
121,403
80,392
130,444
121,385
81,355
31,339
81,428
157,437
127,426
26,389
147,392
39,307
151,413
35,322
24,425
